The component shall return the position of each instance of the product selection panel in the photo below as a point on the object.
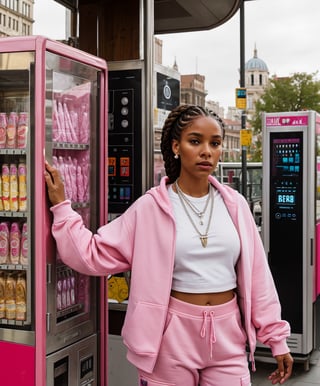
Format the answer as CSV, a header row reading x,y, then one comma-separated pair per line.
x,y
286,233
124,139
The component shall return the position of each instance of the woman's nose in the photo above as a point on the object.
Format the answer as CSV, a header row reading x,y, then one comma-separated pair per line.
x,y
206,149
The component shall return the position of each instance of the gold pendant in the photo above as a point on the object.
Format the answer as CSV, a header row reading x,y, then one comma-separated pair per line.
x,y
204,241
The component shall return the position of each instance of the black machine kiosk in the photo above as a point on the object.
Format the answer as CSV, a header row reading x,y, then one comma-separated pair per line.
x,y
290,219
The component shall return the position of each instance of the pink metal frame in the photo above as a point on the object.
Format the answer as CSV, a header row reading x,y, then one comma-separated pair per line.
x,y
35,357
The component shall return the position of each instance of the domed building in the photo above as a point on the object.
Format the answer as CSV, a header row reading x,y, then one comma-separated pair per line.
x,y
256,79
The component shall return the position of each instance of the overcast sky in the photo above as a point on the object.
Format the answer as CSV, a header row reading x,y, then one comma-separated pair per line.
x,y
285,32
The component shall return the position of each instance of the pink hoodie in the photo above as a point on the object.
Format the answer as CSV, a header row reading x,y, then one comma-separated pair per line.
x,y
143,240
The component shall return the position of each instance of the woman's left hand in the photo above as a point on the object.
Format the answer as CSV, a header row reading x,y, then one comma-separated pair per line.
x,y
284,370
54,184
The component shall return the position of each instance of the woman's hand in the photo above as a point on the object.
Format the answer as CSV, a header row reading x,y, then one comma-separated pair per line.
x,y
284,370
54,184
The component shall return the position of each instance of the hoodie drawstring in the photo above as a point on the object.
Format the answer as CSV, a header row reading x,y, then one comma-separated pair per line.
x,y
212,336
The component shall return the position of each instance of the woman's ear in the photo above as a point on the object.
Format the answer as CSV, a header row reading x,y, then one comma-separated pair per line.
x,y
175,147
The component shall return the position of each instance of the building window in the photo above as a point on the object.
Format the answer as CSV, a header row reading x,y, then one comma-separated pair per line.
x,y
26,9
252,79
260,79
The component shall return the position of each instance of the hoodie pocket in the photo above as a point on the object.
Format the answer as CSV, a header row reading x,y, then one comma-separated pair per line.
x,y
143,327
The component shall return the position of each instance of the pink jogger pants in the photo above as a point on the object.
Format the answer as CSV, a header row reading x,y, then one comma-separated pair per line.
x,y
201,346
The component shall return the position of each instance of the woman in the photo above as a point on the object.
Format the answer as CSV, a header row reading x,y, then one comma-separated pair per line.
x,y
201,288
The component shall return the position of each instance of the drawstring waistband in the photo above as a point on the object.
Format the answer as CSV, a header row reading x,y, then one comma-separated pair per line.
x,y
212,337
207,314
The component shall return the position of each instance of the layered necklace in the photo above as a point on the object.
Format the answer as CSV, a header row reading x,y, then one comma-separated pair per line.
x,y
186,203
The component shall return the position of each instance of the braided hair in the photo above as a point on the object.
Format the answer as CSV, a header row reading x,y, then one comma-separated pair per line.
x,y
179,119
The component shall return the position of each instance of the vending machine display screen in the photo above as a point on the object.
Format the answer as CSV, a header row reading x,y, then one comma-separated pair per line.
x,y
286,172
286,223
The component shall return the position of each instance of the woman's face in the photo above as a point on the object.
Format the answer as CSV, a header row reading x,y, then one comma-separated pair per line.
x,y
199,148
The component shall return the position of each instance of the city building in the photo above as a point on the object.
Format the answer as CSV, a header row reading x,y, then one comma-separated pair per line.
x,y
16,17
193,89
256,80
231,143
215,107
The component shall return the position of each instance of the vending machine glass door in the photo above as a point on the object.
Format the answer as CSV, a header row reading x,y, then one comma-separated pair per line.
x,y
16,257
72,140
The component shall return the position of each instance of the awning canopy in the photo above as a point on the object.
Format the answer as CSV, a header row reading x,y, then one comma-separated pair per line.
x,y
172,16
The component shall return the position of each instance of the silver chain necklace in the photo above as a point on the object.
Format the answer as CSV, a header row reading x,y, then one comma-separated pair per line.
x,y
195,210
203,237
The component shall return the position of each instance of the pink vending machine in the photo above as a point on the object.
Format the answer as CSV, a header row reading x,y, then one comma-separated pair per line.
x,y
53,106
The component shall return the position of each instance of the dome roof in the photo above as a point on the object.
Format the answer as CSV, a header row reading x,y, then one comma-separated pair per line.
x,y
255,63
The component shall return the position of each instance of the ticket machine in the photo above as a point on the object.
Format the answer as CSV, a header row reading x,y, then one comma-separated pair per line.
x,y
291,213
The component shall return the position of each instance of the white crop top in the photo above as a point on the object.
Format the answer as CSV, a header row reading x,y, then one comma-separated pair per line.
x,y
198,269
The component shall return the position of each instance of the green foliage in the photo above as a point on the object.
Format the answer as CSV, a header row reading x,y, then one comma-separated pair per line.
x,y
301,91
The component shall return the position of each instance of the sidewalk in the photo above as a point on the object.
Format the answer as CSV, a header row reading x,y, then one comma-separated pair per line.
x,y
300,376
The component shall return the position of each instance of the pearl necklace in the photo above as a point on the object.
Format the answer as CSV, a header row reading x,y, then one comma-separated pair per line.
x,y
184,200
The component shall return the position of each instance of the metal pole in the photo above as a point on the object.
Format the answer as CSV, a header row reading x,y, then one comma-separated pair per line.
x,y
148,60
243,113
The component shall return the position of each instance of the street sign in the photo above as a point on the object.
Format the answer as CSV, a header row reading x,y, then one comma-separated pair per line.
x,y
245,137
241,98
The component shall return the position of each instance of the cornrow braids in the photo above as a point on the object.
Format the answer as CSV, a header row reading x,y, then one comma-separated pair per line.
x,y
179,119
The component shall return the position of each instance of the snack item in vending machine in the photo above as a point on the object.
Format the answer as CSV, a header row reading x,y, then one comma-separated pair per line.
x,y
22,182
21,297
15,239
68,124
55,123
84,124
2,295
83,288
73,295
10,296
64,291
1,203
22,130
68,289
62,126
13,182
24,245
72,170
59,292
12,130
67,179
74,126
3,130
80,184
5,187
4,242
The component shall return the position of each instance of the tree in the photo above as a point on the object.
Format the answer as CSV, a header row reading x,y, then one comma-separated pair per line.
x,y
301,91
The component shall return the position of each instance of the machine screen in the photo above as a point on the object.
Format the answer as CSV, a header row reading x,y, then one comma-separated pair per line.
x,y
286,172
